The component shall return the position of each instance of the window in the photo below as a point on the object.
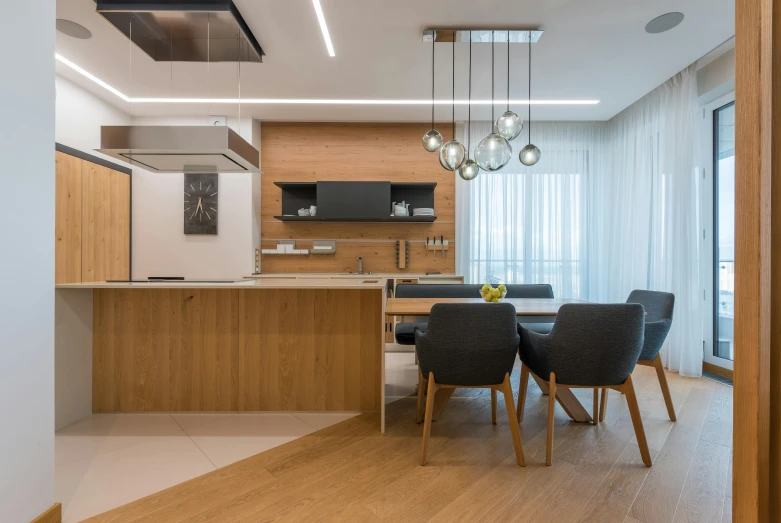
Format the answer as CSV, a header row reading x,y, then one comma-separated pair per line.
x,y
530,228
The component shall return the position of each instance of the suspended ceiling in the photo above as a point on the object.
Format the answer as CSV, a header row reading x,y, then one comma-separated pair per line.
x,y
590,50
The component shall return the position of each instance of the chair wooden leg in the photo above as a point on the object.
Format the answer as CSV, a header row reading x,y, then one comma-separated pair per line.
x,y
522,392
668,400
432,390
595,416
507,390
551,413
493,406
603,406
637,420
420,411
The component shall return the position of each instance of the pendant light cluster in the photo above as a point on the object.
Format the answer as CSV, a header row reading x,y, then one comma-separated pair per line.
x,y
494,151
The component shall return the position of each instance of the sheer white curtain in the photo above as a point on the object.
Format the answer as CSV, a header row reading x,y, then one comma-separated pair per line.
x,y
532,224
611,207
654,240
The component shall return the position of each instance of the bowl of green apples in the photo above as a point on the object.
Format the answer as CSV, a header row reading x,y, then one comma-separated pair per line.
x,y
493,294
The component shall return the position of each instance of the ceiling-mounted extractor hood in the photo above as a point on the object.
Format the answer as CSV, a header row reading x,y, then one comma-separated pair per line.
x,y
184,30
177,149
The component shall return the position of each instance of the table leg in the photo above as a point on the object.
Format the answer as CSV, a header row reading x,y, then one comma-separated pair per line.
x,y
567,400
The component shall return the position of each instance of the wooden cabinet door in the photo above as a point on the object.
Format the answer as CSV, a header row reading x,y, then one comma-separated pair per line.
x,y
68,218
106,224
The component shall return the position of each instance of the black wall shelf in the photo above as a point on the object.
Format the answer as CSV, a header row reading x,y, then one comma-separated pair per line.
x,y
354,201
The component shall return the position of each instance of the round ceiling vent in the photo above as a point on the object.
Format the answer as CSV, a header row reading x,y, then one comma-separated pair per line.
x,y
73,29
663,23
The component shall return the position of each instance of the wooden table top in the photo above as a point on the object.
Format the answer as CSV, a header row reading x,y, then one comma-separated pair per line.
x,y
523,306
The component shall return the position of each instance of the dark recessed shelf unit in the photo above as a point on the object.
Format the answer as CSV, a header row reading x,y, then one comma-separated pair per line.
x,y
354,201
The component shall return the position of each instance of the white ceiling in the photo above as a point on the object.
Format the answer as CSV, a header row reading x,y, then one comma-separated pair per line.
x,y
595,49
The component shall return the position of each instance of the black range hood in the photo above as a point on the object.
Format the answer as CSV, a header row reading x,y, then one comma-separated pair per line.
x,y
184,30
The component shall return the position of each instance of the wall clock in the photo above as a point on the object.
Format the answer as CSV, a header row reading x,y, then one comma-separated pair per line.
x,y
200,203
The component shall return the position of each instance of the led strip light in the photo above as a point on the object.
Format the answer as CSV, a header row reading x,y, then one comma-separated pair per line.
x,y
303,101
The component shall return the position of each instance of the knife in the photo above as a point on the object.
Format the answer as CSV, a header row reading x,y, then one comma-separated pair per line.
x,y
442,241
426,245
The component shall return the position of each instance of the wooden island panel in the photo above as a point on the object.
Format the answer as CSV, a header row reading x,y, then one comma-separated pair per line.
x,y
235,349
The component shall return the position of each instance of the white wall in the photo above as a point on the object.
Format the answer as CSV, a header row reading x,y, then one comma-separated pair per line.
x,y
79,116
160,247
716,78
27,261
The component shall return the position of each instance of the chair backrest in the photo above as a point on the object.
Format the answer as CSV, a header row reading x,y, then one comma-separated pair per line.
x,y
424,290
468,344
658,305
595,344
659,318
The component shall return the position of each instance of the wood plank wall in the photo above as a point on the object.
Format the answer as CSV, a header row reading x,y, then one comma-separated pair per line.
x,y
757,375
92,221
232,349
310,152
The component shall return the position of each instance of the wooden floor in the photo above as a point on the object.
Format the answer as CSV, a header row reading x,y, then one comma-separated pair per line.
x,y
351,472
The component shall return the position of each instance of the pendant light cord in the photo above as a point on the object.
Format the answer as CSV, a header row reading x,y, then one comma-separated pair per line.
x,y
454,85
433,51
529,121
469,103
493,38
508,71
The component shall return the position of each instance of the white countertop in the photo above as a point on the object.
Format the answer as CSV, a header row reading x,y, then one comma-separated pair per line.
x,y
364,282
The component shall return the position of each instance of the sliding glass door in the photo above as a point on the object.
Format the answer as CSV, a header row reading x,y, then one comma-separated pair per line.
x,y
721,350
724,225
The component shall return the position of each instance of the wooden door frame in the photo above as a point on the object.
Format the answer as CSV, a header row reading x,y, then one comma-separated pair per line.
x,y
757,393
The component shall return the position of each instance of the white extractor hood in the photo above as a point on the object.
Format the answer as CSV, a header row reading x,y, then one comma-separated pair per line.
x,y
177,149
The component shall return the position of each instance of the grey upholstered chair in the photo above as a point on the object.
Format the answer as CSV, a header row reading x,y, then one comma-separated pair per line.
x,y
405,331
659,317
469,345
590,346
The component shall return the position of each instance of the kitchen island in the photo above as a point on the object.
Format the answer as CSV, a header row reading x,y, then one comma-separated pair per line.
x,y
248,345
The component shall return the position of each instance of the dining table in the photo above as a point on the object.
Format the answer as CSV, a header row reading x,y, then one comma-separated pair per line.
x,y
528,310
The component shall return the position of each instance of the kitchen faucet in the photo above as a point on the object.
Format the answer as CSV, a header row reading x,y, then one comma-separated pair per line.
x,y
360,265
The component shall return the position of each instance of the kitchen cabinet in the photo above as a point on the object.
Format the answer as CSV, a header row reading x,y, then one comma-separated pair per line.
x,y
92,220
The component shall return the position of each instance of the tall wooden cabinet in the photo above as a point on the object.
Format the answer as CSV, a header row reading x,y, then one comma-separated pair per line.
x,y
92,221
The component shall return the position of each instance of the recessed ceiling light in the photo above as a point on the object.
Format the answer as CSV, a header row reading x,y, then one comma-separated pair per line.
x,y
306,101
73,29
663,23
323,27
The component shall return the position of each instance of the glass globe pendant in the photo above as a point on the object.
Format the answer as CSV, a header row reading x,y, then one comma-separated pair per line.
x,y
493,152
530,155
452,155
432,141
509,126
469,170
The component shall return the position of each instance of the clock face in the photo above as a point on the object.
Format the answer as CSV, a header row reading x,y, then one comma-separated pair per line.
x,y
200,203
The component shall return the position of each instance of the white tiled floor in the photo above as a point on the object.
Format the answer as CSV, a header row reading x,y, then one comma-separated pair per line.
x,y
106,460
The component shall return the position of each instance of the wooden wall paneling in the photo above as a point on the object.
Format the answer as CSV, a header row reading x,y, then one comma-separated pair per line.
x,y
68,219
350,152
105,223
757,372
230,349
378,257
